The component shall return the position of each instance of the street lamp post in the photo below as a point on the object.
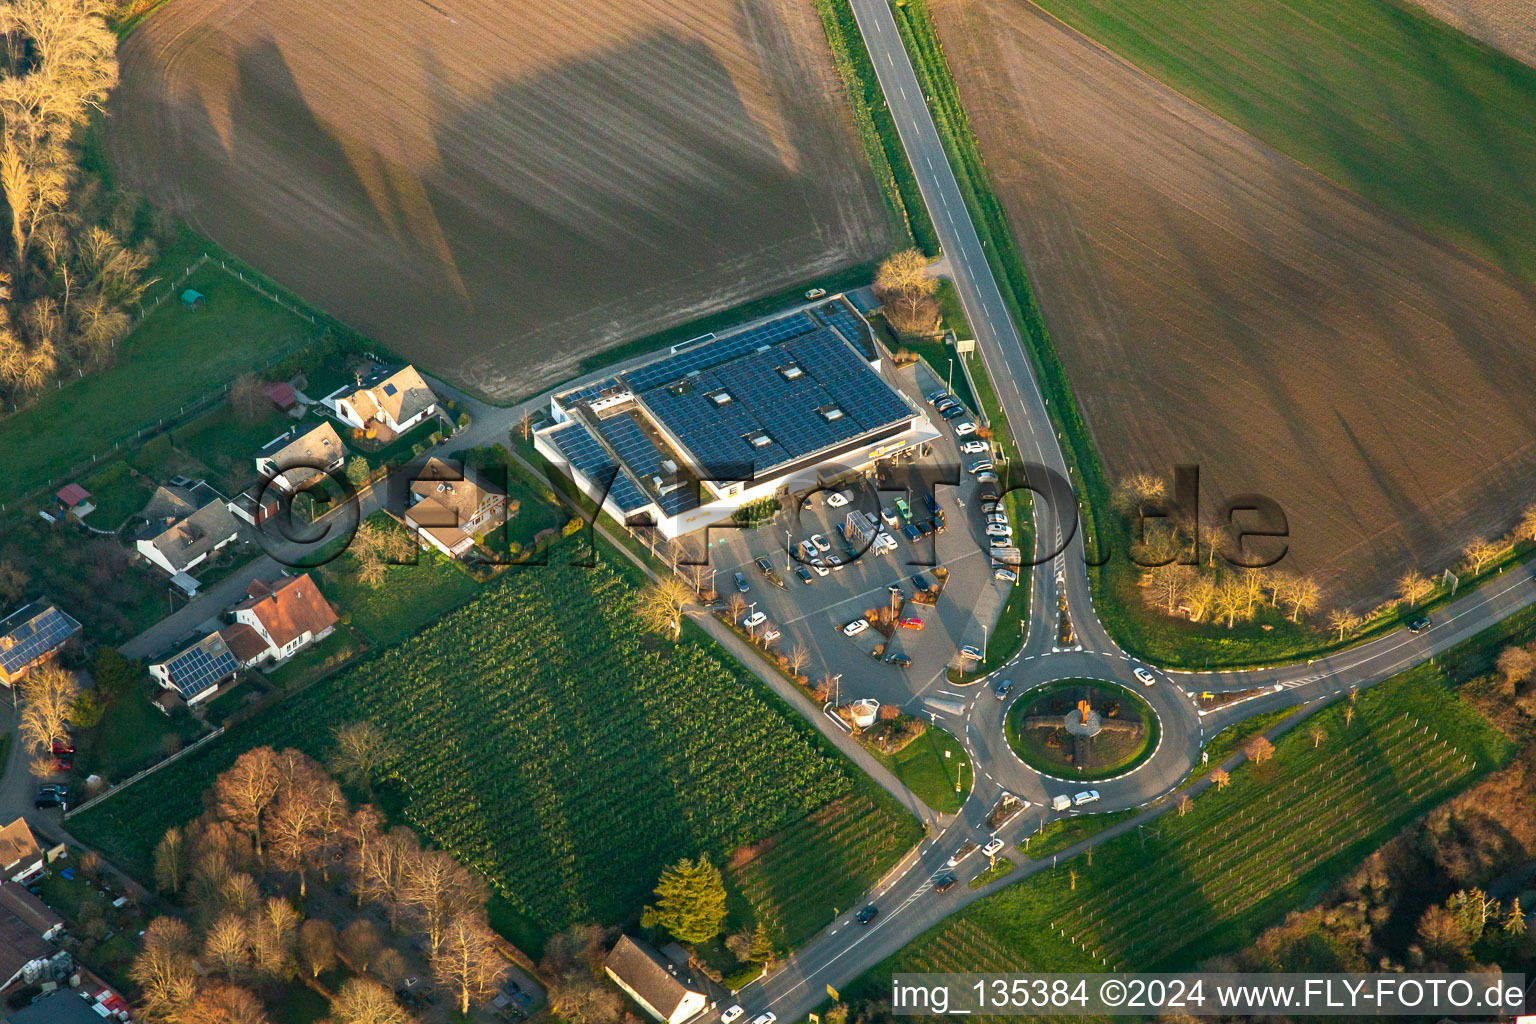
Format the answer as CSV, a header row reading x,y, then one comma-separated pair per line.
x,y
837,683
983,642
786,550
950,384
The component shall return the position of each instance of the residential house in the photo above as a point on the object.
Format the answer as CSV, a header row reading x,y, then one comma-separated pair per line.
x,y
30,635
450,504
197,671
298,457
32,912
21,859
185,524
388,403
654,982
287,616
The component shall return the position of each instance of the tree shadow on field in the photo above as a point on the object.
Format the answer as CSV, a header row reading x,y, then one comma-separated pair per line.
x,y
556,212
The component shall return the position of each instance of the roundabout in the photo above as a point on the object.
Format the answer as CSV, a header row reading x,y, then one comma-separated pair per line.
x,y
1082,729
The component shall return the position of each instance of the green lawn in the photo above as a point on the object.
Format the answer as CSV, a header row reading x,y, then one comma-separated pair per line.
x,y
117,494
133,734
1032,748
410,596
314,661
931,766
544,737
1390,103
1064,832
174,357
227,444
1189,886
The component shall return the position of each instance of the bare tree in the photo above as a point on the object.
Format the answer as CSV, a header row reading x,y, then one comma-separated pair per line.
x,y
1221,778
1482,551
164,969
244,792
1319,736
1343,620
1302,595
227,945
468,962
1200,597
1259,750
294,831
388,863
171,860
225,1004
361,752
1185,803
737,606
1516,664
1233,600
1413,586
361,1001
362,828
317,946
797,658
439,889
274,939
1169,582
662,605
359,944
906,289
48,695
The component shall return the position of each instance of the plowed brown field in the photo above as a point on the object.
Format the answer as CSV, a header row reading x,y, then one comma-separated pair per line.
x,y
1508,25
497,189
1216,302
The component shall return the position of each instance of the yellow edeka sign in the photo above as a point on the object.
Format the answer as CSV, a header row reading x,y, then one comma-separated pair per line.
x,y
832,992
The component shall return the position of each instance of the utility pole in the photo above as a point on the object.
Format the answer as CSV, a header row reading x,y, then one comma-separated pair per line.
x,y
949,385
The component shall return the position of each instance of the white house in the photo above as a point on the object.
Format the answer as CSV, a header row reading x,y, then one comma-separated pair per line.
x,y
185,526
286,617
21,859
195,672
450,504
392,404
293,459
653,982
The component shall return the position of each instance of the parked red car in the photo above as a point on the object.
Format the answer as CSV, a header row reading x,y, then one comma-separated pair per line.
x,y
910,623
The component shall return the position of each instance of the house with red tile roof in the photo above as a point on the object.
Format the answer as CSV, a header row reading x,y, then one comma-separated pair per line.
x,y
286,616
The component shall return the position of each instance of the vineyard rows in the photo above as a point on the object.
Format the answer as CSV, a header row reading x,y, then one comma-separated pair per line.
x,y
546,739
1184,887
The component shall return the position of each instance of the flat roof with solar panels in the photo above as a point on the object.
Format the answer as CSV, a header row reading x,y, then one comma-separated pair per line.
x,y
721,416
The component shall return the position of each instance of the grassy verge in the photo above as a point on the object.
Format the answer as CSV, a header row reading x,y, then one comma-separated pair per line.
x,y
1231,739
935,768
1058,835
997,869
877,130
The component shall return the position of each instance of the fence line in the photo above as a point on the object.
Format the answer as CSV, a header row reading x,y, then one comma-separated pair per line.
x,y
130,780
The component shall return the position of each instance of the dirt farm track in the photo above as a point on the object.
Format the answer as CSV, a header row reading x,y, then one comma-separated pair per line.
x,y
1216,302
495,190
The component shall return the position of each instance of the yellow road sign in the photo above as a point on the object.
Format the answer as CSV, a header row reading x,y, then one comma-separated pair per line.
x,y
832,992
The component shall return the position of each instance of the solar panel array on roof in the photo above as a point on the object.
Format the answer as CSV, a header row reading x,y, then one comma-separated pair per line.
x,y
644,459
587,392
195,669
584,453
717,352
36,637
838,315
727,440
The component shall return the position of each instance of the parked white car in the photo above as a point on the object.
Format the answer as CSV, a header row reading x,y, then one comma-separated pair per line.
x,y
1006,575
836,500
821,543
974,447
888,517
770,635
855,627
819,567
964,427
732,1014
754,620
999,530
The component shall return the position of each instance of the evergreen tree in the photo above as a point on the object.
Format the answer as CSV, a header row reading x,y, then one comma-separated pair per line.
x,y
690,901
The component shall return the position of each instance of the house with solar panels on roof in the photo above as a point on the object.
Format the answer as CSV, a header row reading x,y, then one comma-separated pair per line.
x,y
195,673
30,635
683,441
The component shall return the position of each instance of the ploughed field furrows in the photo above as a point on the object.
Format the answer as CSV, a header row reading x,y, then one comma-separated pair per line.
x,y
1216,302
496,190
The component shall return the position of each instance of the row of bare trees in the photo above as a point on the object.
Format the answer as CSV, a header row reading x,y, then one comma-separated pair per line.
x,y
72,259
279,816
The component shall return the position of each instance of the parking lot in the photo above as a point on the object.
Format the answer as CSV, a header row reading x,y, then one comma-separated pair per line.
x,y
815,612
